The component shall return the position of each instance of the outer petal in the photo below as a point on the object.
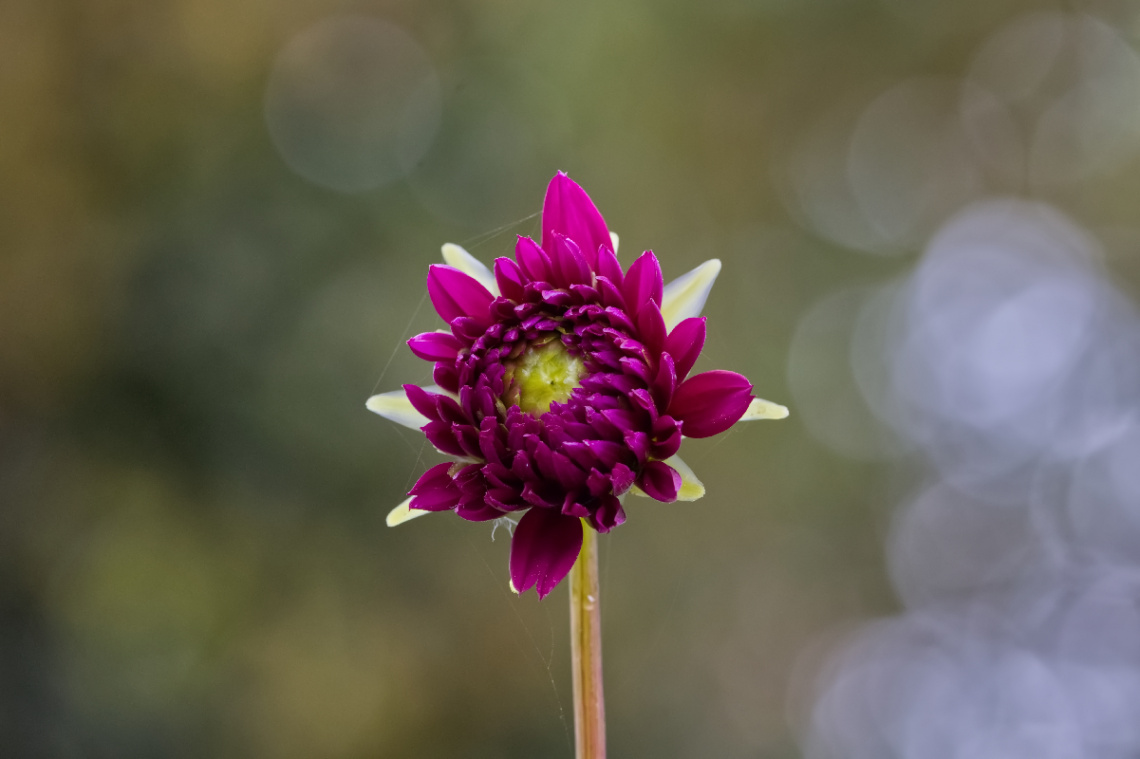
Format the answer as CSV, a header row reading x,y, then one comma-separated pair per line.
x,y
396,407
664,383
762,409
660,481
456,295
685,296
453,255
544,548
711,402
691,488
435,490
435,346
569,264
568,210
532,259
403,513
609,267
642,282
510,278
684,344
651,327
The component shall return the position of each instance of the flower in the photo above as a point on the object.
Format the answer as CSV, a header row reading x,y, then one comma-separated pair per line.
x,y
562,384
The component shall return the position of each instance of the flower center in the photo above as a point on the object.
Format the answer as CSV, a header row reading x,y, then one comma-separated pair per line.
x,y
543,374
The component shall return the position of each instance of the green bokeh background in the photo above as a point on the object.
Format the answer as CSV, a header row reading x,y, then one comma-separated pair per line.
x,y
193,556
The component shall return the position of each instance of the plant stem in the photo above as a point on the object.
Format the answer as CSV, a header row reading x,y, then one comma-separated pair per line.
x,y
586,651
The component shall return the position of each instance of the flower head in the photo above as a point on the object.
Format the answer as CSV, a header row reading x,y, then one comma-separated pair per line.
x,y
563,383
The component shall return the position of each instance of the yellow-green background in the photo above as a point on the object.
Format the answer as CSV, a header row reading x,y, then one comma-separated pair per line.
x,y
193,556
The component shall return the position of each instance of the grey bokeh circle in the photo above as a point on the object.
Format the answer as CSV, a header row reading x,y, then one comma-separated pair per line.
x,y
353,103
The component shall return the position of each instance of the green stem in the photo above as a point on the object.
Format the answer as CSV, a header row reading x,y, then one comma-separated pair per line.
x,y
586,651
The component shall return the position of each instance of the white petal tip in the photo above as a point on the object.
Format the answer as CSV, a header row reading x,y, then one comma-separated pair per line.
x,y
762,409
692,489
511,585
685,296
614,239
396,407
403,513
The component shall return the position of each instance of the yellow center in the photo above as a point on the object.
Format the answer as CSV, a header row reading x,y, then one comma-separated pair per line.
x,y
542,375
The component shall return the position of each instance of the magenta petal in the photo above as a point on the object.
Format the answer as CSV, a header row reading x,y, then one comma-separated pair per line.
x,y
622,478
456,295
544,548
611,293
684,344
423,401
569,263
509,278
435,346
609,513
608,265
446,376
710,402
651,326
435,490
664,383
477,510
643,282
442,436
568,210
533,261
660,481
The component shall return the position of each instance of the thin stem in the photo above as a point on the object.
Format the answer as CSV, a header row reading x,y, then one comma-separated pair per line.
x,y
586,651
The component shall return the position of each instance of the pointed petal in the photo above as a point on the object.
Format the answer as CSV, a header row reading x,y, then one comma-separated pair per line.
x,y
402,513
544,548
436,489
664,383
691,488
569,264
456,295
685,296
651,327
684,344
396,407
532,259
435,346
424,402
710,402
642,282
609,513
510,279
453,255
609,267
568,210
614,242
762,409
660,481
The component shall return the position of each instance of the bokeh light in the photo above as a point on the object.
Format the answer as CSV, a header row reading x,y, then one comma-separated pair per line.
x,y
353,103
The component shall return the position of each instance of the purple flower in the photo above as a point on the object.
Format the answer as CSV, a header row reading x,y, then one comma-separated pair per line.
x,y
562,384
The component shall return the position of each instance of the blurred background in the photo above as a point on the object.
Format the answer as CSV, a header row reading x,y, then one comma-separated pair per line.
x,y
215,219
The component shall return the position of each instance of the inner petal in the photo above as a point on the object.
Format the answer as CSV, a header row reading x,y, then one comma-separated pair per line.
x,y
543,373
